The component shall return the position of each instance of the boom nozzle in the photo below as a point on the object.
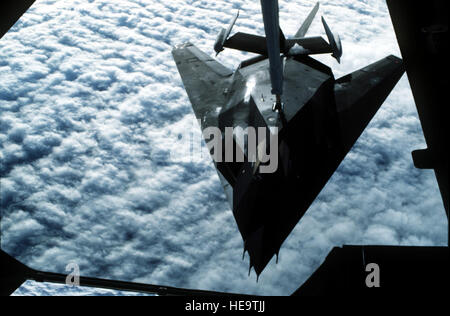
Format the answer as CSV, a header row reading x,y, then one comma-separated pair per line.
x,y
278,105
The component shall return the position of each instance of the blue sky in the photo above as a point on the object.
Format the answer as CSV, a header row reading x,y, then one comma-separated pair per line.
x,y
91,104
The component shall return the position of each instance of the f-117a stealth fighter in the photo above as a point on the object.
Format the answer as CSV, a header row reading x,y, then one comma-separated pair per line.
x,y
286,95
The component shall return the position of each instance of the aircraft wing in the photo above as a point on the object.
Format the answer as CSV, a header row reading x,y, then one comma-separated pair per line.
x,y
360,94
205,81
258,44
310,45
11,12
247,43
202,77
307,23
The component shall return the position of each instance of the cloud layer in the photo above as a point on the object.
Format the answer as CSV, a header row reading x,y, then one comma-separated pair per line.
x,y
92,104
31,288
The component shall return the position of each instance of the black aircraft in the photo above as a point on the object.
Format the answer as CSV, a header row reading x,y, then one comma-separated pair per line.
x,y
288,96
319,119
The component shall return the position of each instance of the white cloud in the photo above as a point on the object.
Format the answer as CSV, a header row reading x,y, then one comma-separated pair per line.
x,y
92,104
32,288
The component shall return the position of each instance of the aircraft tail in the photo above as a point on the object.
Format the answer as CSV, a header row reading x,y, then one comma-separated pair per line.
x,y
275,42
307,23
335,42
223,35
